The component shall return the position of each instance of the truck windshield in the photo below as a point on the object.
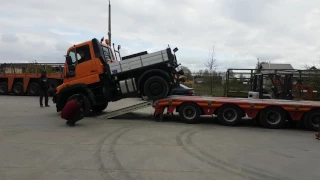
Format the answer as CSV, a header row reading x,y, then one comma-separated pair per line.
x,y
107,53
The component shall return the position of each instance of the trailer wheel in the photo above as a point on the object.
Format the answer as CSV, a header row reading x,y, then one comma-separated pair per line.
x,y
229,115
17,88
33,89
156,88
273,117
190,112
99,108
3,88
85,100
312,120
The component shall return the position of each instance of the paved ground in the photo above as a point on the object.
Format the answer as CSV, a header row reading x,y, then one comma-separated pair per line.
x,y
36,144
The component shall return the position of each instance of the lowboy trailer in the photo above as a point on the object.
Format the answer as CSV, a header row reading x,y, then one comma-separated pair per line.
x,y
271,113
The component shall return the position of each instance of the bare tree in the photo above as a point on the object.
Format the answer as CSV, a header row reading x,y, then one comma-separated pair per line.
x,y
212,65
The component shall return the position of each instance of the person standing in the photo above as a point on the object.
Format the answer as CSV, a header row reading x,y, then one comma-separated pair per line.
x,y
44,87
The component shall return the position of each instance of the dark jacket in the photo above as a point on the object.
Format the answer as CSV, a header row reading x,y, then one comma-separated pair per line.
x,y
44,83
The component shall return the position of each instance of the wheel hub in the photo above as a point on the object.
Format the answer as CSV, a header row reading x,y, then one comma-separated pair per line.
x,y
315,120
189,112
155,88
33,89
229,115
2,89
17,89
273,117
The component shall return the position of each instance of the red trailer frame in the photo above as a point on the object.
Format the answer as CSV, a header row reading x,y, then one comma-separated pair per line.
x,y
271,113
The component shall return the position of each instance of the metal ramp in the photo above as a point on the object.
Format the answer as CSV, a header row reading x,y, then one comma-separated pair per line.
x,y
128,109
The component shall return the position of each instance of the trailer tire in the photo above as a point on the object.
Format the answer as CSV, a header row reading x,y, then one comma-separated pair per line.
x,y
87,104
229,115
190,112
33,89
17,88
99,108
156,88
3,88
312,120
273,117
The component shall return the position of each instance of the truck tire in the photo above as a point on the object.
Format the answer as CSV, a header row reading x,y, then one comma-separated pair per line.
x,y
229,115
99,108
156,88
87,105
3,88
53,84
17,88
312,120
33,89
273,117
190,112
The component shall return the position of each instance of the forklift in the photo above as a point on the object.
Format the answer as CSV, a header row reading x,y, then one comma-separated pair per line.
x,y
281,86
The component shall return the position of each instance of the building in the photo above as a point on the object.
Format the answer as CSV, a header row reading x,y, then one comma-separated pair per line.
x,y
276,68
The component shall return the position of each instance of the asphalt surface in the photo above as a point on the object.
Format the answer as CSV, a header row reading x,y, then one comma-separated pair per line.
x,y
36,144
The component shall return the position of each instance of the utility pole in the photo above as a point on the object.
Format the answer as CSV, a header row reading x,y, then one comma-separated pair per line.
x,y
109,24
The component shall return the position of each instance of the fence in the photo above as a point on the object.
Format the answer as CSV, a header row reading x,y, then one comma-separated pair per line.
x,y
206,85
238,82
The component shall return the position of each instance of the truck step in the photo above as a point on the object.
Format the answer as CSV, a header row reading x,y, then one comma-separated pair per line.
x,y
127,109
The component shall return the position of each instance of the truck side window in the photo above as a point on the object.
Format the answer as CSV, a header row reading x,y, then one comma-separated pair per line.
x,y
83,54
72,54
106,52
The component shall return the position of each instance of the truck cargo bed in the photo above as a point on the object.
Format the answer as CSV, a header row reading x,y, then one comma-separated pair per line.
x,y
140,61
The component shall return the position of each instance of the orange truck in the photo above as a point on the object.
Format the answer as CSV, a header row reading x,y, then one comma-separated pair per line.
x,y
22,78
94,74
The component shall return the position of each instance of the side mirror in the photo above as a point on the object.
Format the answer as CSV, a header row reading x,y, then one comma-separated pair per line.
x,y
69,60
119,47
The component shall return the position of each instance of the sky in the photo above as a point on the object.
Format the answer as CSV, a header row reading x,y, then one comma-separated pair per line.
x,y
240,31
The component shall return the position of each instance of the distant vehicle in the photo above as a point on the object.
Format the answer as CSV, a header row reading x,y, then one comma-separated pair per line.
x,y
183,90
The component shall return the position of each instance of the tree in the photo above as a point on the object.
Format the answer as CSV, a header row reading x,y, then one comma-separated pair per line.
x,y
187,72
212,65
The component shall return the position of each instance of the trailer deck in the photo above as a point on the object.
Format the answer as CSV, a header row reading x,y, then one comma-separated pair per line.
x,y
272,113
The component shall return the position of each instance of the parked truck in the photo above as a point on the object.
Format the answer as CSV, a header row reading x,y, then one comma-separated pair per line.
x,y
22,78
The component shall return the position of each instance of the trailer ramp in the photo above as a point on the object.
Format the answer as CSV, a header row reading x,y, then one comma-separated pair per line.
x,y
128,109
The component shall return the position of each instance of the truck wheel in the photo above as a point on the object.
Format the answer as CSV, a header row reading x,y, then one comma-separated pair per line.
x,y
85,100
33,89
156,88
99,108
229,115
190,112
312,120
53,84
3,88
273,117
17,88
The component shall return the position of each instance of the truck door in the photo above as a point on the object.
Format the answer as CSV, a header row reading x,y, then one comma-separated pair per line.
x,y
81,57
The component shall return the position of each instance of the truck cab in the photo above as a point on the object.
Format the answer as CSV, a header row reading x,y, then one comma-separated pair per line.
x,y
93,73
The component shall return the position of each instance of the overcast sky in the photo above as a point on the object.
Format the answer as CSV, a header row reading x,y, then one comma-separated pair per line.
x,y
280,31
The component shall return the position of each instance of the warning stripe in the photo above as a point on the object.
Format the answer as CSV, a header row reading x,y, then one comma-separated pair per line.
x,y
251,106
